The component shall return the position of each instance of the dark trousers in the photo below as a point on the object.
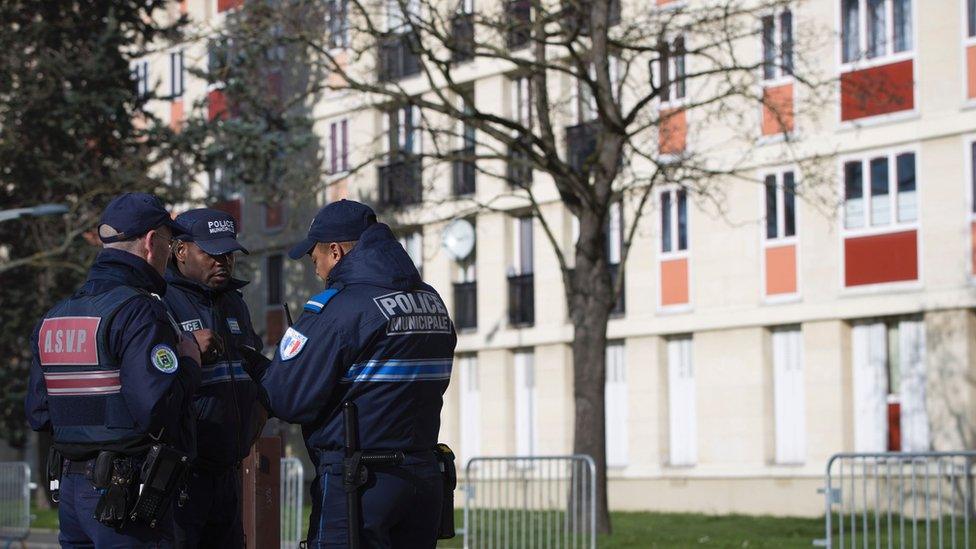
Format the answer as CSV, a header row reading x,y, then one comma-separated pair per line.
x,y
211,518
401,507
78,528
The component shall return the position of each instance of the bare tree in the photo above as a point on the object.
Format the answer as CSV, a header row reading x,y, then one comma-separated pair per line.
x,y
608,103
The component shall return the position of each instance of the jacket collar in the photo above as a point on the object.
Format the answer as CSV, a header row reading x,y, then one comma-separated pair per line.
x,y
121,268
176,278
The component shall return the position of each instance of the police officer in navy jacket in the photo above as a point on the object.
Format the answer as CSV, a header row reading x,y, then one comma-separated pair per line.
x,y
111,371
379,337
206,300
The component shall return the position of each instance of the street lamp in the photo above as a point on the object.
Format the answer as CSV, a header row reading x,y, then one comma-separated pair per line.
x,y
34,211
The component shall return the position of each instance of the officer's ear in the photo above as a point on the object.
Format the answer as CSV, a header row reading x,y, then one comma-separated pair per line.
x,y
179,251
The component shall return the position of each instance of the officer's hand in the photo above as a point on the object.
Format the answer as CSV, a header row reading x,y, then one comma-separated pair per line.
x,y
211,346
189,348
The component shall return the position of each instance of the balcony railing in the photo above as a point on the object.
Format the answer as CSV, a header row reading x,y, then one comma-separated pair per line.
x,y
463,171
581,145
521,300
400,182
519,169
519,19
465,305
462,37
398,56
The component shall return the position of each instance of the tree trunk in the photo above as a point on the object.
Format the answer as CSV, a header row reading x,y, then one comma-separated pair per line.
x,y
591,299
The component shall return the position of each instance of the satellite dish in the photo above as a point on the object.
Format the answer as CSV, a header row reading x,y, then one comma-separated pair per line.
x,y
458,239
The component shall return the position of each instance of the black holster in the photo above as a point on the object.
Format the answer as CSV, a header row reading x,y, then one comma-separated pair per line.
x,y
445,460
55,466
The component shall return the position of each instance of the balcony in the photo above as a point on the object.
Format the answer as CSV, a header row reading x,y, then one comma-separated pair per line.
x,y
581,145
462,37
400,182
521,300
519,27
463,172
519,169
578,21
398,57
465,305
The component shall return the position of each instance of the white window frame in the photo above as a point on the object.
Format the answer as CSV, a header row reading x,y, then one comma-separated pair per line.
x,y
673,100
522,109
526,403
780,76
781,194
466,6
615,395
868,226
337,153
789,396
401,113
177,74
470,406
140,69
682,403
861,61
517,267
674,253
343,30
413,243
398,18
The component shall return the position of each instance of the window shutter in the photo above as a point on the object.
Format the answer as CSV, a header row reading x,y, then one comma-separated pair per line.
x,y
525,428
616,406
789,401
914,418
681,403
869,356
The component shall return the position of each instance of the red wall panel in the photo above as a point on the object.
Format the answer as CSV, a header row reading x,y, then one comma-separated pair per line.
x,y
877,90
881,258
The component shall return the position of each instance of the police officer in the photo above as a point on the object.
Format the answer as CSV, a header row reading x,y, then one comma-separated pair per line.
x,y
206,300
381,338
111,373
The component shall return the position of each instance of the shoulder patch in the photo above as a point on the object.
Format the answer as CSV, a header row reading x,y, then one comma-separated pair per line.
x,y
291,344
164,358
317,302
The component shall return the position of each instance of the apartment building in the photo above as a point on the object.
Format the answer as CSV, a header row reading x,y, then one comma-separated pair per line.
x,y
749,345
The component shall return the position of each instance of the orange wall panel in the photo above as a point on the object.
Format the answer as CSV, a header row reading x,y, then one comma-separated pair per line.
x,y
274,323
673,135
777,114
781,270
674,282
877,90
216,105
176,115
233,207
881,258
971,72
274,215
224,5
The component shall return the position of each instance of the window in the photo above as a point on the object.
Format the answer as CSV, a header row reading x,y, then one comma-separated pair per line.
x,y
176,74
972,174
275,280
971,18
887,26
777,42
401,13
470,407
522,107
880,191
403,130
338,24
682,415
670,69
888,361
674,221
521,281
140,74
522,246
338,147
616,405
788,396
466,293
780,199
526,429
413,243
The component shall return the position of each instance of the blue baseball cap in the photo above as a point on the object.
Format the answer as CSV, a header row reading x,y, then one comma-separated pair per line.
x,y
213,230
134,214
340,221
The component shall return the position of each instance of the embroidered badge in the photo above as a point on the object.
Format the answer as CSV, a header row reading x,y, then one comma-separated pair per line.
x,y
291,344
192,325
235,327
164,359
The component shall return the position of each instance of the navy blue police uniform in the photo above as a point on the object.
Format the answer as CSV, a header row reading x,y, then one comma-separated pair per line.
x,y
106,376
226,402
379,337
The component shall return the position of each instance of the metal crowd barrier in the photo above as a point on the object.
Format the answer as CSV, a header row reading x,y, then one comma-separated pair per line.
x,y
545,501
292,502
899,500
15,498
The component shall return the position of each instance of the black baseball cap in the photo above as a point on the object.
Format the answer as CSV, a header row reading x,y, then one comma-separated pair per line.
x,y
340,221
213,230
135,214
